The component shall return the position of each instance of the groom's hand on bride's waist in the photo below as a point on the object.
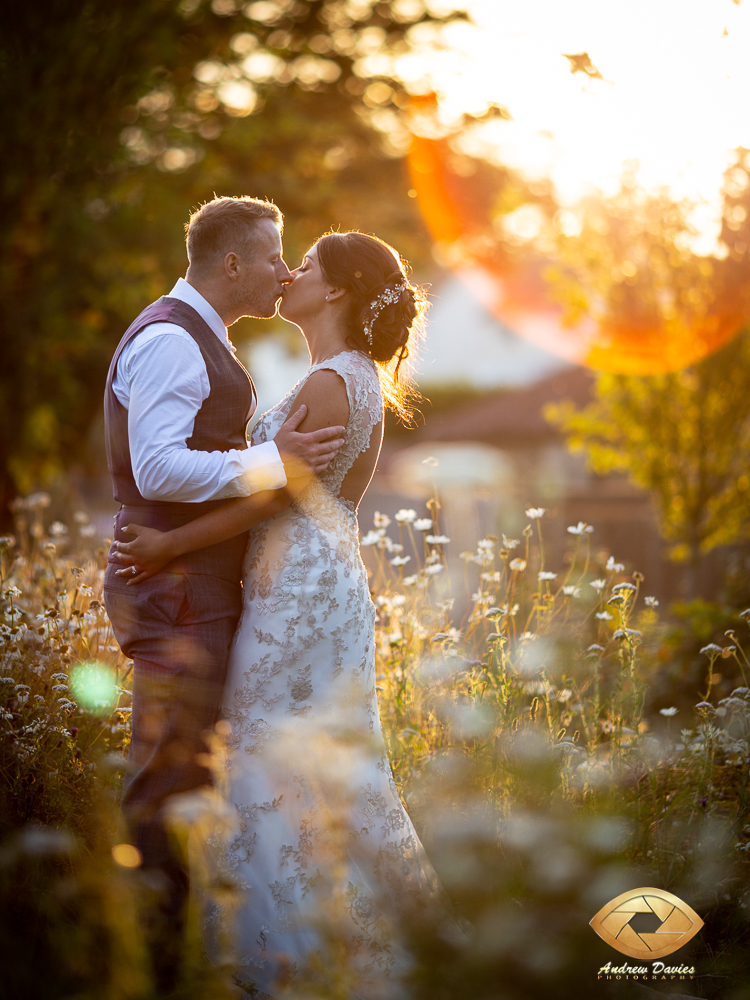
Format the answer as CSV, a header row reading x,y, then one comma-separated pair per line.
x,y
307,453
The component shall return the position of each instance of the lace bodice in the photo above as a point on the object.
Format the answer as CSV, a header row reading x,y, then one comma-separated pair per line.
x,y
365,412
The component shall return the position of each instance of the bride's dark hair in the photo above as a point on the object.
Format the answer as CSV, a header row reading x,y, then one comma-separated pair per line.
x,y
380,299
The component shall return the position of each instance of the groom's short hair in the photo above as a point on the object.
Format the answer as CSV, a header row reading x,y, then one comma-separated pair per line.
x,y
226,225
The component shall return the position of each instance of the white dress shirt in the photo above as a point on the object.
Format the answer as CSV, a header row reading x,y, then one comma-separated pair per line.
x,y
162,382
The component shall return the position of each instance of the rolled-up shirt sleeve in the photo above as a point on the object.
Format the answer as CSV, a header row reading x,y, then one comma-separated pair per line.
x,y
167,386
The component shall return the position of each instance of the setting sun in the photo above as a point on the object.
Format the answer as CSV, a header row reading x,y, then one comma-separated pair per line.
x,y
612,133
672,90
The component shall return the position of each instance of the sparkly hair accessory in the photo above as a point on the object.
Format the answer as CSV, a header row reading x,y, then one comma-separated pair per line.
x,y
386,298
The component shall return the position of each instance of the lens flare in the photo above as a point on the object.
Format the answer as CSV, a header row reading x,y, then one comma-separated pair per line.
x,y
666,312
126,855
94,687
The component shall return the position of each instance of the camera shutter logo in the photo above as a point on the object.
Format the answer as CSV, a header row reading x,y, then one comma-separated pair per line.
x,y
679,923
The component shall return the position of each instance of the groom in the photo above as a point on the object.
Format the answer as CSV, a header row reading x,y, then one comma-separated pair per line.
x,y
176,406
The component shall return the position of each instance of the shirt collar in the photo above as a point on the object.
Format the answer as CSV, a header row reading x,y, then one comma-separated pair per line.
x,y
185,292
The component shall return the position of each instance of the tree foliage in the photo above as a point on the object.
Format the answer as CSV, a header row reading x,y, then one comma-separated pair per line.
x,y
119,118
685,436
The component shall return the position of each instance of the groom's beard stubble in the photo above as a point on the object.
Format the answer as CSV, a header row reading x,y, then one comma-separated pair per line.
x,y
257,302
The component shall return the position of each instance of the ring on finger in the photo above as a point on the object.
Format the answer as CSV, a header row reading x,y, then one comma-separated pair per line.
x,y
133,570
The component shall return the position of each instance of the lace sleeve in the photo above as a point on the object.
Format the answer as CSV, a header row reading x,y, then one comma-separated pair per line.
x,y
365,410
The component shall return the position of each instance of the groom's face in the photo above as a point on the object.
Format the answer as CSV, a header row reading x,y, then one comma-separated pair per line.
x,y
264,272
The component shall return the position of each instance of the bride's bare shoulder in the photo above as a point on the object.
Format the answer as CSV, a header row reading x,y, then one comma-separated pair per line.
x,y
324,394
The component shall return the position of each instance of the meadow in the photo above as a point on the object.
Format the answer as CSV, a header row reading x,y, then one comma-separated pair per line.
x,y
529,737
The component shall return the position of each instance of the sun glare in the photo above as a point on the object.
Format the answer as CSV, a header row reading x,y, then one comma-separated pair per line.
x,y
588,93
668,86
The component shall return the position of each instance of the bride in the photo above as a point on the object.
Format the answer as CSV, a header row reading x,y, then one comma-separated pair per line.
x,y
324,851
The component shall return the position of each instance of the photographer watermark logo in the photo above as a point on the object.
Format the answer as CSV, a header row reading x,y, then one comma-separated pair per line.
x,y
646,923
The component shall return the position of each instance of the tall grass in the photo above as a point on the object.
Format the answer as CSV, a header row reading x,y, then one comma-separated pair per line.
x,y
515,703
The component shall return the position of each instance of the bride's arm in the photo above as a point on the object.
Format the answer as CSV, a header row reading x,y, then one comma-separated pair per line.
x,y
324,395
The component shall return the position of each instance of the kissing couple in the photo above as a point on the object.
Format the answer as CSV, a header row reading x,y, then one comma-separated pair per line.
x,y
243,596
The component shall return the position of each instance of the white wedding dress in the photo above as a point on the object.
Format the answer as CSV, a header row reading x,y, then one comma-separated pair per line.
x,y
326,856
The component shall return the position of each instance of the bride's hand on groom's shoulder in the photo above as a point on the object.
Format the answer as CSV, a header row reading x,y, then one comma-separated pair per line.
x,y
306,453
149,552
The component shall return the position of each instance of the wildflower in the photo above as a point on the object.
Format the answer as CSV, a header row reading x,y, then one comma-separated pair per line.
x,y
409,581
604,616
81,517
400,560
485,543
433,557
405,516
37,501
468,557
517,565
491,577
668,712
536,687
527,637
704,706
372,538
59,677
7,680
580,529
598,584
651,602
546,576
607,726
6,541
13,592
450,635
623,586
510,543
595,648
62,597
86,591
59,687
712,650
496,612
423,524
87,531
571,591
437,539
564,695
535,513
480,598
434,569
398,600
50,548
57,529
614,567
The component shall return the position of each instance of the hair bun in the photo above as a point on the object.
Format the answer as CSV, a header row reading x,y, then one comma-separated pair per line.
x,y
383,310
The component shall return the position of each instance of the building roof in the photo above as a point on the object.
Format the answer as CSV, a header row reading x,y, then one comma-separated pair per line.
x,y
512,418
